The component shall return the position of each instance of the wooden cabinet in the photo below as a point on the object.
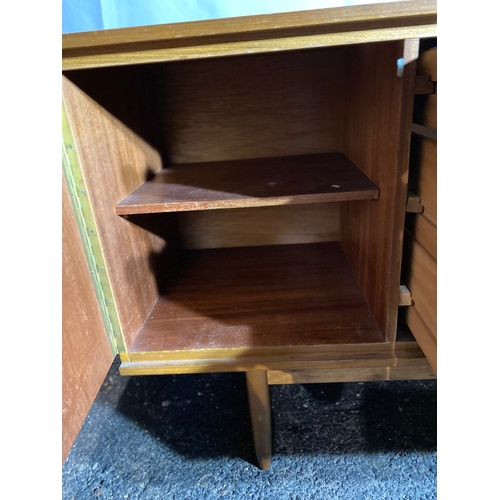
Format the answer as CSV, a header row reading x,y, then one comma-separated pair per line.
x,y
240,187
420,243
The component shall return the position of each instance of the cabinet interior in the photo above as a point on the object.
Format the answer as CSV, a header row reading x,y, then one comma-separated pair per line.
x,y
248,202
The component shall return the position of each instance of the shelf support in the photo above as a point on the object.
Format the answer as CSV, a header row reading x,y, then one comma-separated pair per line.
x,y
429,132
405,296
260,415
413,203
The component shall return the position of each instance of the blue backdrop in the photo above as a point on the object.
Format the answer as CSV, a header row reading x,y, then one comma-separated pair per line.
x,y
90,15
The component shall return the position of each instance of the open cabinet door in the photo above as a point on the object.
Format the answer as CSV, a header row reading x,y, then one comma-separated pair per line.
x,y
108,284
86,355
420,250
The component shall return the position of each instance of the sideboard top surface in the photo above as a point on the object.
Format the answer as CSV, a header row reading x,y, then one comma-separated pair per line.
x,y
250,34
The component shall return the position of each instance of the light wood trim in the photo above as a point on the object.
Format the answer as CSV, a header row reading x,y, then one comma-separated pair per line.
x,y
427,177
245,48
393,13
422,283
423,175
425,338
406,369
260,415
278,358
425,232
291,353
404,296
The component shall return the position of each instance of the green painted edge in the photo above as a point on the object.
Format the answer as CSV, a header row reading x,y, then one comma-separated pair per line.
x,y
90,237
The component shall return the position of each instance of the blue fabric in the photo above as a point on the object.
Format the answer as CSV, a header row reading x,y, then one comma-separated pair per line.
x,y
90,15
81,15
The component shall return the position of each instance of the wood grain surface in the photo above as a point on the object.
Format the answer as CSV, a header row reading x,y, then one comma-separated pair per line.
x,y
406,362
423,231
413,204
425,113
377,141
394,13
429,116
250,183
297,357
86,354
420,262
281,295
259,402
425,338
423,174
424,85
278,225
427,63
406,369
404,296
275,104
422,282
251,34
130,94
115,161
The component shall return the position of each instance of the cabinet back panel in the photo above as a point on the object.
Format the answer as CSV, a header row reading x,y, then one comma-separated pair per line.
x,y
250,106
286,224
254,106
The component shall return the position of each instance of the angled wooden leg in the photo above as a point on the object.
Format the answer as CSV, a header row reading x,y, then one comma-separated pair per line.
x,y
260,414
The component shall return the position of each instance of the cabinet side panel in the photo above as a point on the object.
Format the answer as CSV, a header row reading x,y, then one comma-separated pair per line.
x,y
254,106
86,355
115,161
378,122
128,93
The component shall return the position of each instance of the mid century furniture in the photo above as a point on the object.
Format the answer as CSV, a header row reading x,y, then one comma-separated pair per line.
x,y
419,270
234,199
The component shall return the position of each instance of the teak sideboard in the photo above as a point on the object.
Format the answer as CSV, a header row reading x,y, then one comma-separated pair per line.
x,y
234,199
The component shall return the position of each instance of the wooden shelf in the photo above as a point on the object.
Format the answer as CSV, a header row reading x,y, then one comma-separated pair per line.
x,y
251,183
268,296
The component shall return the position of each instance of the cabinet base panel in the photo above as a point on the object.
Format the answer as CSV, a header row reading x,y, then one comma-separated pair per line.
x,y
351,362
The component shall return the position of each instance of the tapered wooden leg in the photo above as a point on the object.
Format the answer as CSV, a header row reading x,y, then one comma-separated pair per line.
x,y
260,414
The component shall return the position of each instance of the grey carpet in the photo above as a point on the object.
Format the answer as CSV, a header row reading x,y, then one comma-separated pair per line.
x,y
189,437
